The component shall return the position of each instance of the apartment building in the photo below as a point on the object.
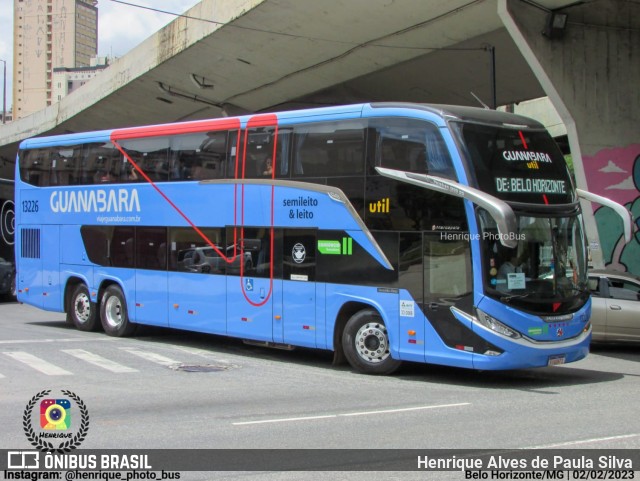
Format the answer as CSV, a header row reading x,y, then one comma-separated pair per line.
x,y
49,34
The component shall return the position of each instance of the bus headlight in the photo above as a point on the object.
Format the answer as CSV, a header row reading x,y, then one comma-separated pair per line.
x,y
495,325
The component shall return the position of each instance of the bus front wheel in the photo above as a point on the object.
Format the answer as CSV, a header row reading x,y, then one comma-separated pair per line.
x,y
81,312
366,344
113,313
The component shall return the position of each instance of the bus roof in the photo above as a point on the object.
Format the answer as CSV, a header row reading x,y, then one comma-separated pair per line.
x,y
66,139
445,112
466,114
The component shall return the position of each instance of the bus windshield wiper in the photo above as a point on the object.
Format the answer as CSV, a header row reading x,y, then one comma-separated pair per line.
x,y
508,299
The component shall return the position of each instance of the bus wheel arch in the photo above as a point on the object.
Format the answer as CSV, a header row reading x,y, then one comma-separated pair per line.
x,y
365,342
81,311
114,314
346,311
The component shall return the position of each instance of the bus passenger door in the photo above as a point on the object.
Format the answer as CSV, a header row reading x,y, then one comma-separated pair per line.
x,y
299,287
249,283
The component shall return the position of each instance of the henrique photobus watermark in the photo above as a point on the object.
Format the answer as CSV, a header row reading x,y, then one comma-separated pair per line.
x,y
486,236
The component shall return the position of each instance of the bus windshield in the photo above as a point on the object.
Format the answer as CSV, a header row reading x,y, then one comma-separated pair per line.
x,y
546,273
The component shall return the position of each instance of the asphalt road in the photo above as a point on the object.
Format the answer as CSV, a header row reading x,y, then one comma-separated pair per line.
x,y
140,396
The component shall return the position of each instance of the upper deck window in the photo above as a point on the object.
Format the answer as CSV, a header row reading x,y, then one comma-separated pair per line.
x,y
92,163
411,146
35,166
329,149
198,156
151,155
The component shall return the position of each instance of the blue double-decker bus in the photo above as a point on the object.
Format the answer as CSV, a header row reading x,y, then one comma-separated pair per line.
x,y
383,232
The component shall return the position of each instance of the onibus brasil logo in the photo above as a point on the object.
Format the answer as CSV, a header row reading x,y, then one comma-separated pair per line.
x,y
55,424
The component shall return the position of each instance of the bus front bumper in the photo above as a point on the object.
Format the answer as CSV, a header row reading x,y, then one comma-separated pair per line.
x,y
523,352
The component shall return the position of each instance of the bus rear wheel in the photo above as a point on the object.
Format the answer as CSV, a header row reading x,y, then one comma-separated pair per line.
x,y
81,312
366,344
113,313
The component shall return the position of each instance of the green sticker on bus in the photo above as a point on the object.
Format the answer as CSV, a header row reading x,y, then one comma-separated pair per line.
x,y
335,247
537,331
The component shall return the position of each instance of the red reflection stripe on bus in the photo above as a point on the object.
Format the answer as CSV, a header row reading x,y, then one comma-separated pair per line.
x,y
524,142
193,127
266,120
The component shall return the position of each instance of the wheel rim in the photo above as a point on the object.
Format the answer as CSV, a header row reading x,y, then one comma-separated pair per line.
x,y
82,307
113,312
372,343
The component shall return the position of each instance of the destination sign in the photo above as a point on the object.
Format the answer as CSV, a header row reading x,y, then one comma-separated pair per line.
x,y
519,165
530,186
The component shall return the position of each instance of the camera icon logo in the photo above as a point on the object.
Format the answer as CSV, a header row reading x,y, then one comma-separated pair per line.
x,y
55,414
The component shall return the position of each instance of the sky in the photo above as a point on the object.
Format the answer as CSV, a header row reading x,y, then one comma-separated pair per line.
x,y
120,28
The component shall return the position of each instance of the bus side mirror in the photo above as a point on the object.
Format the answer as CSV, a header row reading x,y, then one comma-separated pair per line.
x,y
499,210
621,210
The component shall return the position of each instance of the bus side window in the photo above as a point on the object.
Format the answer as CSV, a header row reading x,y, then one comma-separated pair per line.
x,y
122,249
151,155
96,241
189,252
282,152
101,164
328,149
64,165
411,146
151,248
447,268
253,251
35,168
395,155
88,165
233,169
259,152
198,156
436,155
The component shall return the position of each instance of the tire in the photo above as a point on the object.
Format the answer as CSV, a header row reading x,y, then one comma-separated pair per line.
x,y
366,344
113,313
81,312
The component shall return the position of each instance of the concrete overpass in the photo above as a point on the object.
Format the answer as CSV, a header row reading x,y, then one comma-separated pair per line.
x,y
269,55
227,57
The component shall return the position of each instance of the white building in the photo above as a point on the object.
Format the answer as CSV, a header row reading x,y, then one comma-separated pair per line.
x,y
66,80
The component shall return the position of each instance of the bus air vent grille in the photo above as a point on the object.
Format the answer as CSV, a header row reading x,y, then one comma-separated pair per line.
x,y
30,243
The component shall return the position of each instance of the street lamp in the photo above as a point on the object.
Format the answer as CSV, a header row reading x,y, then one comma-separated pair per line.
x,y
4,92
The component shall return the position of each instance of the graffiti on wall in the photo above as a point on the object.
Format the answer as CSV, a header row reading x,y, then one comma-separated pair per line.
x,y
615,173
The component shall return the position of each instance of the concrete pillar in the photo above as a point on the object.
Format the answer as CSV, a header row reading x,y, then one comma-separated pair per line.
x,y
592,75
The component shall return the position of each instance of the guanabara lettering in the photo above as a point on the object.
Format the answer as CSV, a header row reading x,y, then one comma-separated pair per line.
x,y
112,200
526,156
